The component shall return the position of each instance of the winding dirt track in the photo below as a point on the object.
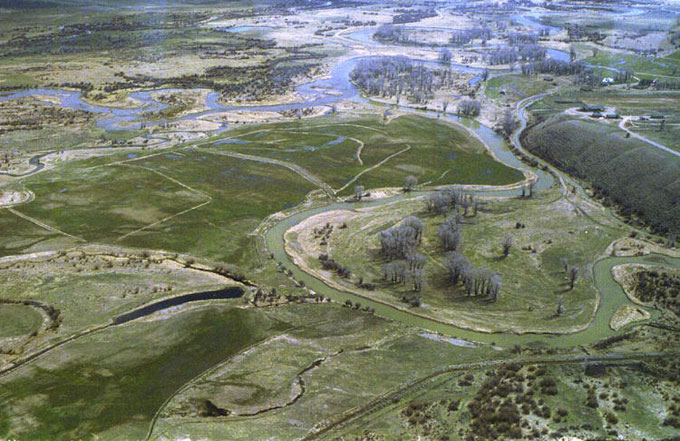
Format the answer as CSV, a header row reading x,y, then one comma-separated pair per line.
x,y
361,173
622,126
303,172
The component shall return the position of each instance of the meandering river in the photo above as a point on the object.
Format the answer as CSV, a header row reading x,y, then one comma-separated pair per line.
x,y
324,92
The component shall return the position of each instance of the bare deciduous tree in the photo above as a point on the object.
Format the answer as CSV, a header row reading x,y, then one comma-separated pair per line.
x,y
445,55
509,122
449,233
358,192
565,264
507,245
411,181
470,107
573,275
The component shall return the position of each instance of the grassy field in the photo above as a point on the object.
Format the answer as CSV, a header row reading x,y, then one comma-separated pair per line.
x,y
199,201
635,103
644,67
314,380
107,204
90,287
27,236
553,230
18,320
516,87
17,80
111,383
330,151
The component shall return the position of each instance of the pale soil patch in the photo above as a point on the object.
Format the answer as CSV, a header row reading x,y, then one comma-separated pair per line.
x,y
446,19
292,97
9,198
147,215
197,125
116,255
627,247
242,117
18,166
79,154
382,193
56,100
256,116
118,100
623,275
626,315
630,41
185,64
193,100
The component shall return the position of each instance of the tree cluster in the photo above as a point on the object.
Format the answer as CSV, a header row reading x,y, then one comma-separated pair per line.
x,y
449,232
399,246
477,281
329,264
409,16
400,241
508,55
464,36
639,181
550,65
470,107
399,76
450,198
522,38
659,288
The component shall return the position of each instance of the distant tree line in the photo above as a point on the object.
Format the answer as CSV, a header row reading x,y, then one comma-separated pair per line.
x,y
515,38
552,66
508,55
464,36
410,16
399,76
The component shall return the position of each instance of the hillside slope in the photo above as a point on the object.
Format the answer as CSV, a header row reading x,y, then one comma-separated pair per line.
x,y
642,181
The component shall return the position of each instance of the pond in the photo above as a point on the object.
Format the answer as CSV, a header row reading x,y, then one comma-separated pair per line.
x,y
222,294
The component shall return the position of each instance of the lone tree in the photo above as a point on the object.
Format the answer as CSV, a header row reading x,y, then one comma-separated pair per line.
x,y
445,55
508,122
470,107
494,286
565,264
573,275
418,278
507,245
358,192
532,184
411,181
